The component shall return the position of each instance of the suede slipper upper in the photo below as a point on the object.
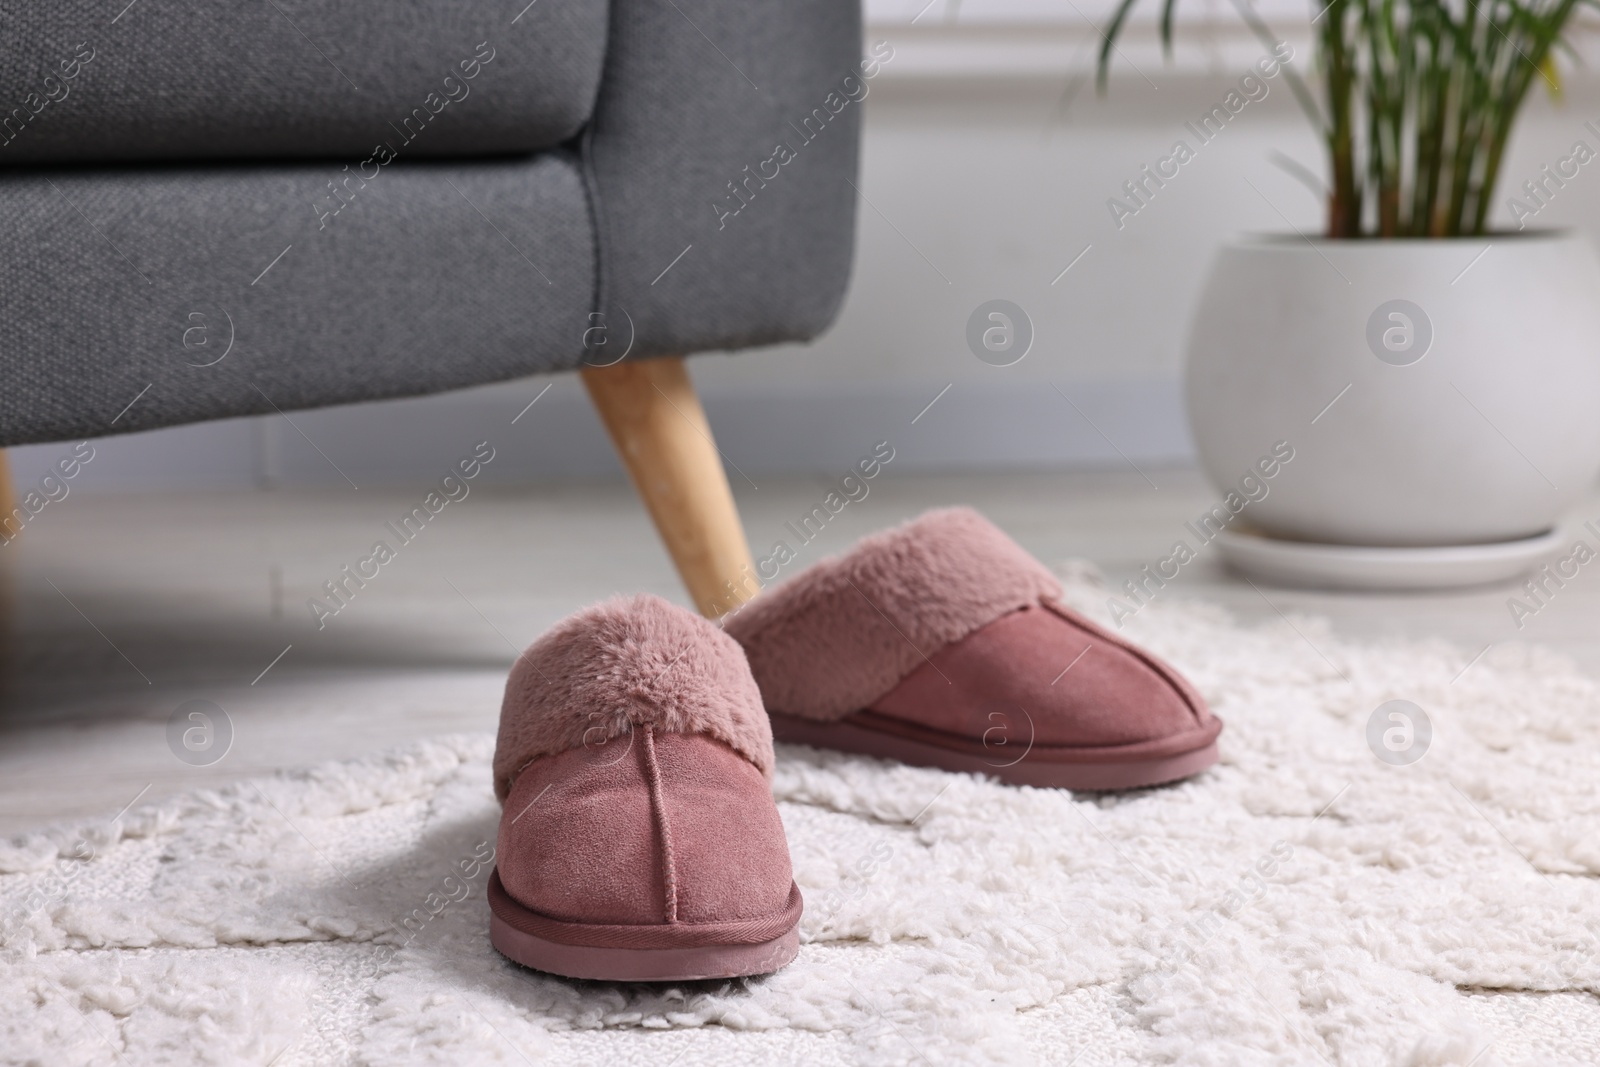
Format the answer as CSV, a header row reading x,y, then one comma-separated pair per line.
x,y
639,839
942,642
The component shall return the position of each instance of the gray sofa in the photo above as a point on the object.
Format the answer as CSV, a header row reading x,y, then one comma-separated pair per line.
x,y
217,210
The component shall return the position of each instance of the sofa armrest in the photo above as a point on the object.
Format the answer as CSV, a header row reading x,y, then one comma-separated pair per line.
x,y
720,162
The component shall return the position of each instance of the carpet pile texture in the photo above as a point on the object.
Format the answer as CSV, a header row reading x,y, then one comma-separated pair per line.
x,y
1302,902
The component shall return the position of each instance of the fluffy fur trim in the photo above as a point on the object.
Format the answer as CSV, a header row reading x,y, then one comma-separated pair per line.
x,y
630,661
840,635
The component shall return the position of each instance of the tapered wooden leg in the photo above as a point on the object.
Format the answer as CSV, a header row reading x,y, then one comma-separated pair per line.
x,y
660,432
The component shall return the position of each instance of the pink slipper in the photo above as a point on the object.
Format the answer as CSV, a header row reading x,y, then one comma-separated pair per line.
x,y
639,840
942,643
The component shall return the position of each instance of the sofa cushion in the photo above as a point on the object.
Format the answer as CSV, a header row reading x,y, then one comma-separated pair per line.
x,y
142,297
725,173
174,79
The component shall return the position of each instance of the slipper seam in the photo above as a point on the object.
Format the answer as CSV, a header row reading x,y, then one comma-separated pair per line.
x,y
658,808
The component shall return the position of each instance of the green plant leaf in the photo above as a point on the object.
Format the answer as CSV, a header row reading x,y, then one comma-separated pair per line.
x,y
1416,102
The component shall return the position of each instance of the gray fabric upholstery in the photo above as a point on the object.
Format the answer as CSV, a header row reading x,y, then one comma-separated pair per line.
x,y
174,79
409,290
695,91
405,276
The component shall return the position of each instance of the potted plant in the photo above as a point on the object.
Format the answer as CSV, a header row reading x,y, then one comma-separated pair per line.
x,y
1437,378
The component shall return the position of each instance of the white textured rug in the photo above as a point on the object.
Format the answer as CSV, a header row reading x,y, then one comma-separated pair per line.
x,y
1301,903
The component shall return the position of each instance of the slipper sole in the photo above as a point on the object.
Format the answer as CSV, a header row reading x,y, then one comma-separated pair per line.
x,y
1088,770
660,952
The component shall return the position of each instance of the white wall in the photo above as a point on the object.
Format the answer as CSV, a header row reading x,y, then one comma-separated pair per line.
x,y
987,165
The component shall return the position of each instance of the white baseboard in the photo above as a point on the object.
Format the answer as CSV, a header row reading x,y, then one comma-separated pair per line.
x,y
760,430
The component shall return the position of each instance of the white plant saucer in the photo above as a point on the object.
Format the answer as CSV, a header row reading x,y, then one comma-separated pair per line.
x,y
1306,563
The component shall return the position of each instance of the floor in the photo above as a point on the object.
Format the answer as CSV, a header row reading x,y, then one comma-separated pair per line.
x,y
118,610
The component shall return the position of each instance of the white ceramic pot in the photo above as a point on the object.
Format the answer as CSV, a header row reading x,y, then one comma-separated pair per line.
x,y
1435,392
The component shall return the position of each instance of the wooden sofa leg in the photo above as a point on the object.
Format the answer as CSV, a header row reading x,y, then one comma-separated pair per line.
x,y
661,435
